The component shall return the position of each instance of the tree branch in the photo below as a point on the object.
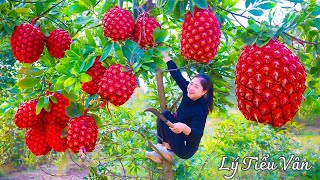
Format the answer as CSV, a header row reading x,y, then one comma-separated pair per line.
x,y
240,15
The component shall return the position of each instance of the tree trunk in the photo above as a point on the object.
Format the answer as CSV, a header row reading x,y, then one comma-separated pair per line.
x,y
167,166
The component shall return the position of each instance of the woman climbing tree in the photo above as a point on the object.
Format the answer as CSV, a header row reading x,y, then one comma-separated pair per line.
x,y
184,137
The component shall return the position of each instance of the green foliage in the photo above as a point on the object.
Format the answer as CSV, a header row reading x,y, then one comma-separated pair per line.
x,y
236,137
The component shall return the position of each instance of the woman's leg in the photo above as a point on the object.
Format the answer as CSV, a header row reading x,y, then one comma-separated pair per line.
x,y
161,127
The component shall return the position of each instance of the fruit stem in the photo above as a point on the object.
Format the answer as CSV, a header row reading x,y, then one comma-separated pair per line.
x,y
120,3
35,20
85,111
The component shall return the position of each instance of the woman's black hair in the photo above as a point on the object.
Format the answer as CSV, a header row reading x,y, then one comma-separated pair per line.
x,y
207,85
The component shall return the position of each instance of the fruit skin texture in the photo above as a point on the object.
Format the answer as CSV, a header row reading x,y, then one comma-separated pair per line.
x,y
54,139
82,132
96,72
36,141
118,24
58,42
200,36
26,117
143,30
57,114
27,42
117,84
270,82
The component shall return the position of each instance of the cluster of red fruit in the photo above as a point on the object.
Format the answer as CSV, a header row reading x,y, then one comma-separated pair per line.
x,y
115,84
44,131
118,24
27,42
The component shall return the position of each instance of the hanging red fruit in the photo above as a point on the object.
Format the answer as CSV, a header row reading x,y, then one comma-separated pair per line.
x,y
96,72
270,82
117,84
200,36
143,30
82,133
58,42
27,43
118,24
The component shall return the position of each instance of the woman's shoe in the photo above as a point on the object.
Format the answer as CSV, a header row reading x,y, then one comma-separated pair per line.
x,y
154,156
167,154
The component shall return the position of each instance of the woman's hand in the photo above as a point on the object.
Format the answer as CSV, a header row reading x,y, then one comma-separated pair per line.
x,y
178,127
166,57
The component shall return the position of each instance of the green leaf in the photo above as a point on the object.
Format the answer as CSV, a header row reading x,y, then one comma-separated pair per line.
x,y
147,55
107,51
87,64
248,2
317,23
163,48
30,71
119,53
249,39
254,27
76,8
70,81
84,77
53,99
267,5
296,1
46,104
74,110
62,69
286,38
159,35
256,12
97,119
90,38
314,70
201,3
28,82
168,8
261,42
70,95
176,10
76,68
39,106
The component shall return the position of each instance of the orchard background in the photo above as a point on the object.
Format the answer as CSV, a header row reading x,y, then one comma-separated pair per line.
x,y
125,131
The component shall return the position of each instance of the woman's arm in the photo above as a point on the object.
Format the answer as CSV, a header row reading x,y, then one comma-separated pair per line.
x,y
166,57
181,127
175,72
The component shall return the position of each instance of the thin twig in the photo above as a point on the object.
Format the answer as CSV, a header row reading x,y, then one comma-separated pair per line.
x,y
240,15
300,40
45,12
123,169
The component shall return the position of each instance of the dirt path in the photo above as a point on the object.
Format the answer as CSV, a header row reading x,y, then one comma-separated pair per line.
x,y
72,172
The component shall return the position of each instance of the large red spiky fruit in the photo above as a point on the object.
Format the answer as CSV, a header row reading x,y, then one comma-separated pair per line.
x,y
58,42
26,117
27,42
82,133
57,114
118,24
96,72
270,82
54,139
117,84
200,36
36,141
143,30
